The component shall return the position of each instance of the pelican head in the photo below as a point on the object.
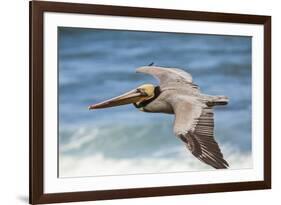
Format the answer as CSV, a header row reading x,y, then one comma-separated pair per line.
x,y
136,96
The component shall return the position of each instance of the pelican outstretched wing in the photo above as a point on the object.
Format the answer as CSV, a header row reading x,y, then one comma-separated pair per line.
x,y
194,125
168,76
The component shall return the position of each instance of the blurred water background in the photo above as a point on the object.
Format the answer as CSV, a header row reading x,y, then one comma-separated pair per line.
x,y
95,65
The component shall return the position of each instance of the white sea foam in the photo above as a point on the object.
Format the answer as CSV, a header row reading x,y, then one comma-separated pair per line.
x,y
97,165
120,150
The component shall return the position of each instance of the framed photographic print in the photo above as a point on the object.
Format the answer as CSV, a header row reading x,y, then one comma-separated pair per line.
x,y
139,102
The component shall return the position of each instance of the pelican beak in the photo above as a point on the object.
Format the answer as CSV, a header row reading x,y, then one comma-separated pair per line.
x,y
127,98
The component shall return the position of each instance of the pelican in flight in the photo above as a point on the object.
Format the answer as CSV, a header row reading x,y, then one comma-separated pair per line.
x,y
177,94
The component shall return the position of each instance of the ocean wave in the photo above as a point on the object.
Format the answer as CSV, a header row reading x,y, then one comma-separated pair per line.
x,y
99,165
119,140
130,133
143,147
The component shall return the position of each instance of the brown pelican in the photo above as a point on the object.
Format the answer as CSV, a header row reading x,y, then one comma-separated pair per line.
x,y
177,94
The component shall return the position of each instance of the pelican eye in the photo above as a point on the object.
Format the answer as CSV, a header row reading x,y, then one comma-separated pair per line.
x,y
142,91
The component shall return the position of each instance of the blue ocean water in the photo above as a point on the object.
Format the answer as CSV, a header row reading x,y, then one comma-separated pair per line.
x,y
95,65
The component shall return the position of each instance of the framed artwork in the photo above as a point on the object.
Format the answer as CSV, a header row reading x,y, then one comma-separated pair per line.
x,y
139,102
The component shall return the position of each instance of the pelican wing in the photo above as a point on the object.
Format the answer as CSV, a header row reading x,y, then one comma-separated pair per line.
x,y
168,76
194,125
